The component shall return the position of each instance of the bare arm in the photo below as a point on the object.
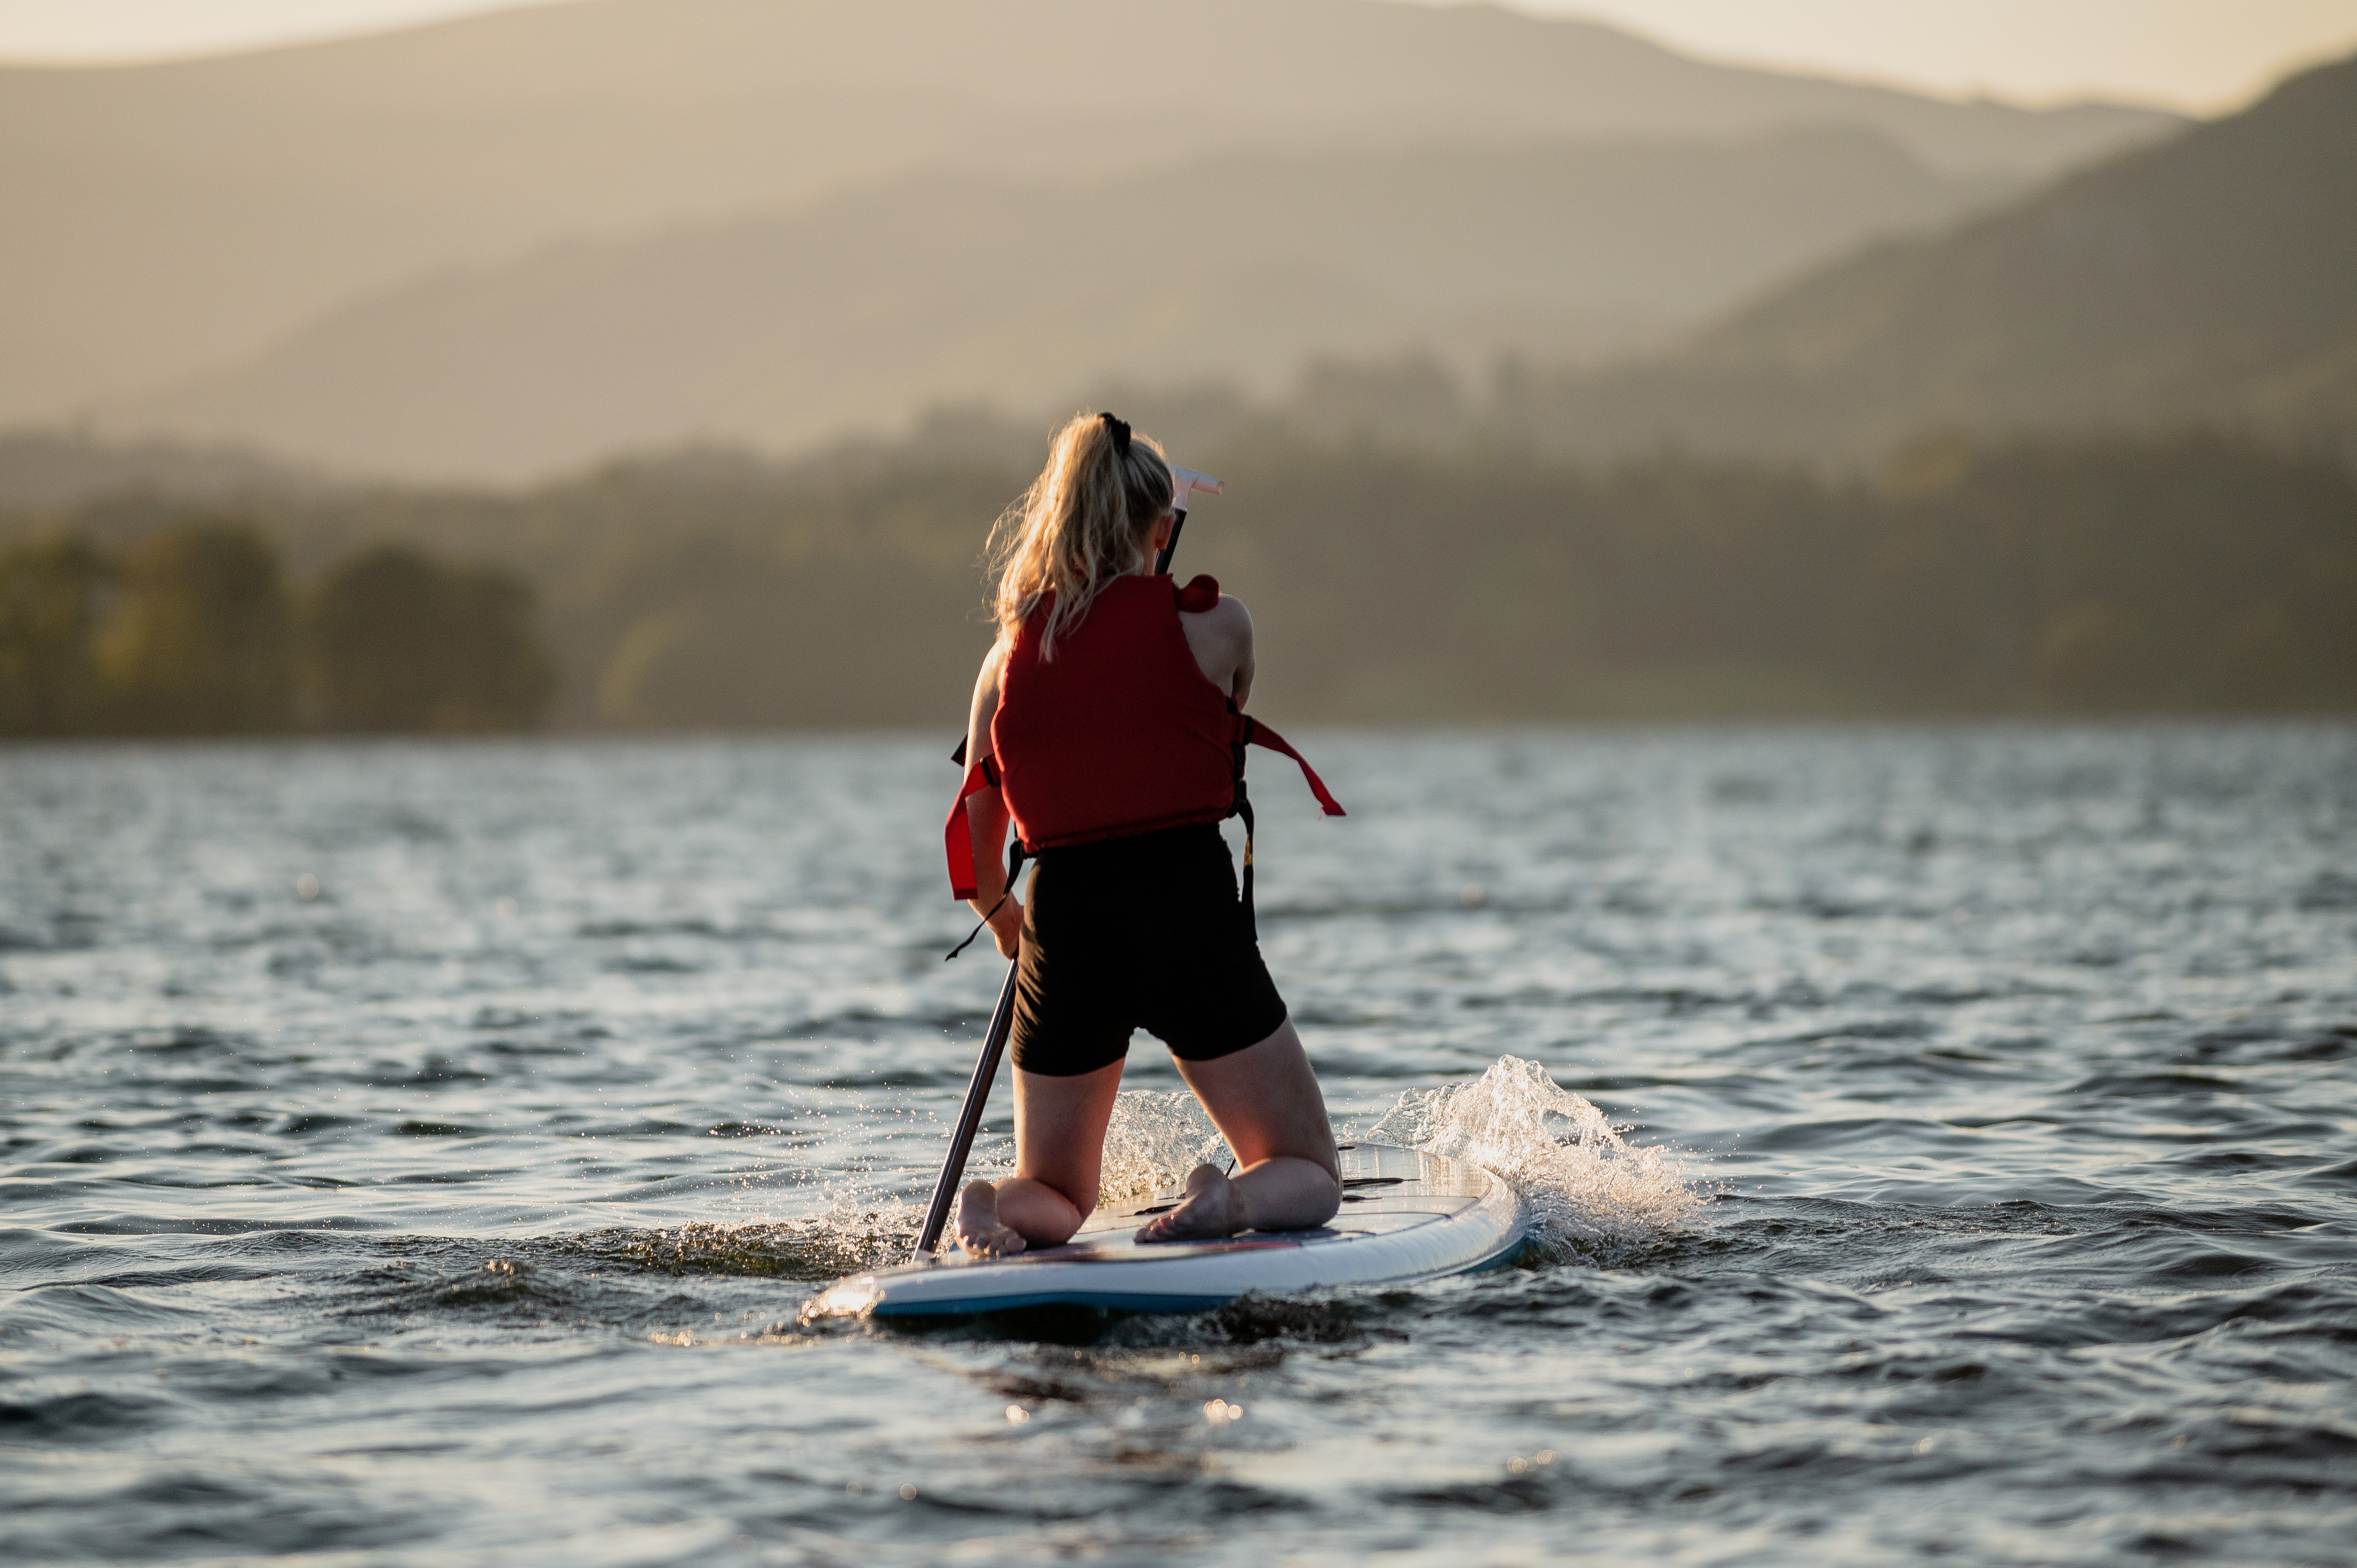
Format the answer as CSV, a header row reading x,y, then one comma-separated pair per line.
x,y
985,813
1221,640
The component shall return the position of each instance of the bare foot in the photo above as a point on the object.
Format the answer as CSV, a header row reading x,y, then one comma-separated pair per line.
x,y
979,1229
1213,1209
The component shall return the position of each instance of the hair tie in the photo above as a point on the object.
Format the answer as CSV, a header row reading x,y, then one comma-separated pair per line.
x,y
1120,429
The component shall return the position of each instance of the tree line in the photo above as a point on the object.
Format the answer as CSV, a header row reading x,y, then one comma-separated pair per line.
x,y
1488,580
1464,576
195,630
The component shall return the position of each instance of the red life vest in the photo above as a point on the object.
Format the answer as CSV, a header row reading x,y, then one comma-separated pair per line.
x,y
1118,734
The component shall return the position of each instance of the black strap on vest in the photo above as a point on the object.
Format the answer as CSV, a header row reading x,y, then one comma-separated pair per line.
x,y
1241,807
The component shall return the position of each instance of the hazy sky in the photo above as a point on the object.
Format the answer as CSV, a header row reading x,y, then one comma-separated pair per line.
x,y
2193,53
2196,53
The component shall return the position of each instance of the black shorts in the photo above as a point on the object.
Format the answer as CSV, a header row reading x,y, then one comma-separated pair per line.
x,y
1143,932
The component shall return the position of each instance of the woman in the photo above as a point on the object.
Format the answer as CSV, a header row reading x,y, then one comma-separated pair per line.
x,y
1107,727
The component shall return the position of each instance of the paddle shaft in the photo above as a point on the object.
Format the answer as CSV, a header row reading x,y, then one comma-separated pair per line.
x,y
994,1044
977,1096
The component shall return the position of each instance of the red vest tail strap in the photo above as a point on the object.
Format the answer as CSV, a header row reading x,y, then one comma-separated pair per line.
x,y
957,833
1259,734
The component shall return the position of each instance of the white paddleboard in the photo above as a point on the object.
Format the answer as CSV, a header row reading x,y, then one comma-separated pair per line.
x,y
1405,1216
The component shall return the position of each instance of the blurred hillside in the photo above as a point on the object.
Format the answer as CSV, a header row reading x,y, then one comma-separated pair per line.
x,y
191,628
2210,279
167,222
1482,580
787,329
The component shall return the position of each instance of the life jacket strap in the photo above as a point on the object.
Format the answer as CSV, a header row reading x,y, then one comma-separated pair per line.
x,y
1252,731
1244,809
957,833
1258,734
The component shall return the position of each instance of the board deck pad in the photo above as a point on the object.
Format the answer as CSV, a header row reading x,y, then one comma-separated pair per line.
x,y
1405,1216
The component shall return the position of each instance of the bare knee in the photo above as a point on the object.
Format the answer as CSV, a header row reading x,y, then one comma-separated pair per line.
x,y
1044,1214
1080,1196
1329,1190
1288,1192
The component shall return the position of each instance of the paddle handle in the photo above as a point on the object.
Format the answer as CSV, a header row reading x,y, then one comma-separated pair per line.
x,y
1170,546
977,1096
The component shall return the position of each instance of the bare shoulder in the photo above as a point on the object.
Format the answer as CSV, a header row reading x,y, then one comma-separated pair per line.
x,y
1221,638
993,665
1228,619
986,701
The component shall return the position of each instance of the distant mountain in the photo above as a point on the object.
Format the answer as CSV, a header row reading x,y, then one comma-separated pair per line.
x,y
166,218
785,329
2209,280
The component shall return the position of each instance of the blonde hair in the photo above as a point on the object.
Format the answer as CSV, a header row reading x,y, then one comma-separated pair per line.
x,y
1083,519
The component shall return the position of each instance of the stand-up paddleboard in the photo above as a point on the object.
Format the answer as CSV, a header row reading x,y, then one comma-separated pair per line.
x,y
1405,1216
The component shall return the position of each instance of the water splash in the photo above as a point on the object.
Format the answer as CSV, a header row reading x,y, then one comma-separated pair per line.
x,y
1153,1139
1590,1193
847,1237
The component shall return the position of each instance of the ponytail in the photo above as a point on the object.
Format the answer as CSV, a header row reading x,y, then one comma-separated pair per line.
x,y
1085,519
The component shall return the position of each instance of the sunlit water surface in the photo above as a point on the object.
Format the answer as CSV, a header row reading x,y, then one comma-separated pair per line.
x,y
420,1154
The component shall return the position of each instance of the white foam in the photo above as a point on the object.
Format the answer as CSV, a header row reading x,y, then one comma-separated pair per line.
x,y
1153,1139
1591,1192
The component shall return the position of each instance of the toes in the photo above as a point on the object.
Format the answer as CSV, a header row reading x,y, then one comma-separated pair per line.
x,y
998,1241
1197,1219
1158,1229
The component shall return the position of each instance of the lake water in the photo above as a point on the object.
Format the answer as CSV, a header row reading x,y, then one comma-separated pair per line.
x,y
420,1154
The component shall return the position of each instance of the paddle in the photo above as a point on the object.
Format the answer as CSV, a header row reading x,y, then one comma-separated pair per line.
x,y
1002,1017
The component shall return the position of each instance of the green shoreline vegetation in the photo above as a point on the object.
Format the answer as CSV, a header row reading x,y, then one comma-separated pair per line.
x,y
1477,580
193,630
